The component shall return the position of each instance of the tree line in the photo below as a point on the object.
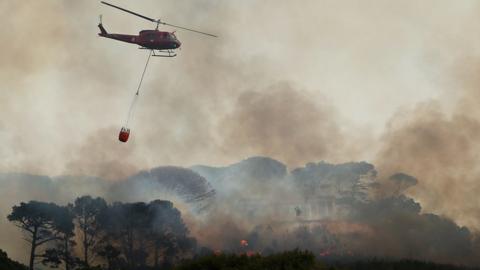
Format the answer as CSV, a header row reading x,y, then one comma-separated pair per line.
x,y
92,233
287,260
305,260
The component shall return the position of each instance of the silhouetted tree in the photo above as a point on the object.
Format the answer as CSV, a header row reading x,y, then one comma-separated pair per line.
x,y
64,230
168,233
124,227
87,211
37,220
143,234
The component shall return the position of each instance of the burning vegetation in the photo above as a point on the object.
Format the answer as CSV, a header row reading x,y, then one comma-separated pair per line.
x,y
254,208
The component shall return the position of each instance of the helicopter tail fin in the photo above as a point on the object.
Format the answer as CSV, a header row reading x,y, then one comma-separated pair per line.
x,y
103,32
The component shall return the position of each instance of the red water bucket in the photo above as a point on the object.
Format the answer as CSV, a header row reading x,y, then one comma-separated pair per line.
x,y
123,135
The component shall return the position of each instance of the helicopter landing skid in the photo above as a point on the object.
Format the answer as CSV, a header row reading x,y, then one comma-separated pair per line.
x,y
161,53
165,53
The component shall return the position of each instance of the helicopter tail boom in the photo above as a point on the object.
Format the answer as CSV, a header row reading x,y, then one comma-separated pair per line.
x,y
121,37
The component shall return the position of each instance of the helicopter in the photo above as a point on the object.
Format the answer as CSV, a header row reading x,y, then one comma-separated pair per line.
x,y
164,43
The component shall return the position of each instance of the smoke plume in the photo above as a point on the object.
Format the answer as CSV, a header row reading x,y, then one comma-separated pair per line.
x,y
392,83
332,210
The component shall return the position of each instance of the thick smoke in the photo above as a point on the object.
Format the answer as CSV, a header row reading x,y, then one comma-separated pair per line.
x,y
332,210
66,87
296,82
109,161
441,150
281,122
437,140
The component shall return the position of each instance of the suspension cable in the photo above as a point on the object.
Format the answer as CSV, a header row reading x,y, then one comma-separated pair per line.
x,y
143,74
134,101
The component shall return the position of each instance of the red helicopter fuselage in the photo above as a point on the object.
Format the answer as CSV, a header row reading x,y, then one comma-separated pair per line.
x,y
148,39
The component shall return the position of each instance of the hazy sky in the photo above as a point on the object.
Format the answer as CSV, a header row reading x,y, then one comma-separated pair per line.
x,y
298,81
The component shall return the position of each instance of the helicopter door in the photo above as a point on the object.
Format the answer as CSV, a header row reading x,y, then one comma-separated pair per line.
x,y
151,37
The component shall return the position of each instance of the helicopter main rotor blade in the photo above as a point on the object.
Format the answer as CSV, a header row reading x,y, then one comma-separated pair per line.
x,y
188,29
155,21
131,12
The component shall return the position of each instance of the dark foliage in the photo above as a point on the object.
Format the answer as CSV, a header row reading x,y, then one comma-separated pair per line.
x,y
6,263
373,264
153,236
119,236
296,259
305,260
140,235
